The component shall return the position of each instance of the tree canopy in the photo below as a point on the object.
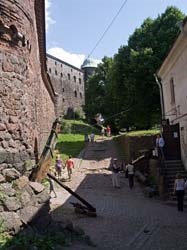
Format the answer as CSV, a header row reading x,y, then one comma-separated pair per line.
x,y
123,88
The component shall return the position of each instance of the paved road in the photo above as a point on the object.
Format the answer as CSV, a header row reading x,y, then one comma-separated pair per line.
x,y
126,219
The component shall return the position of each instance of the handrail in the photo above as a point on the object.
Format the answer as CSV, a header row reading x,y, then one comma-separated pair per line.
x,y
40,170
88,205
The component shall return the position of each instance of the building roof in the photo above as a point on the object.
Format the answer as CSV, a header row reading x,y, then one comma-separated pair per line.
x,y
89,63
63,62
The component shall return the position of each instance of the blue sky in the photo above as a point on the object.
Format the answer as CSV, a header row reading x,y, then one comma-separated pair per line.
x,y
74,26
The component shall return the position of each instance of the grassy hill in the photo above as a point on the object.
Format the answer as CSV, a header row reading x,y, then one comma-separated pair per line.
x,y
71,139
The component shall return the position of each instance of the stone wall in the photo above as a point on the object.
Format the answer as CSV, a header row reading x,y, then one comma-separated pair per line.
x,y
68,82
26,107
133,146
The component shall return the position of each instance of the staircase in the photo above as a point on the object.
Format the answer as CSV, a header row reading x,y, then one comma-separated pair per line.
x,y
171,168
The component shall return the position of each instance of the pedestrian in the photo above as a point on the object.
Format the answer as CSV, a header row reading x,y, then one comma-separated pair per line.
x,y
69,164
108,131
130,174
58,166
115,172
160,146
92,137
102,132
179,190
51,187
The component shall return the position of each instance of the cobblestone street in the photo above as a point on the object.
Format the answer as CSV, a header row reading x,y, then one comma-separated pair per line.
x,y
125,218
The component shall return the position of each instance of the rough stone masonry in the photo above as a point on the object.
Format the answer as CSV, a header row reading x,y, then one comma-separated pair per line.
x,y
27,103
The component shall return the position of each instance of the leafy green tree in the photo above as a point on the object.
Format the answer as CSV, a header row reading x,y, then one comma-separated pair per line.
x,y
124,89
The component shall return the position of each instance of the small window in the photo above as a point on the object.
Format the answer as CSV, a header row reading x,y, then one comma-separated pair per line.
x,y
63,90
68,76
55,63
80,81
172,90
74,78
63,100
49,70
71,70
81,95
61,75
75,93
61,65
56,72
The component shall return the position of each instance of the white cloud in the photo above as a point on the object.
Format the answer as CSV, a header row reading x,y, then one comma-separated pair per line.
x,y
73,59
48,18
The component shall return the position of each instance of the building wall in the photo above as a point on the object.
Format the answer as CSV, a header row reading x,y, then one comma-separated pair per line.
x,y
174,67
26,108
68,82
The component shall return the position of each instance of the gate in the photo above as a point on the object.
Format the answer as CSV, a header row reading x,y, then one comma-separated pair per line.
x,y
171,135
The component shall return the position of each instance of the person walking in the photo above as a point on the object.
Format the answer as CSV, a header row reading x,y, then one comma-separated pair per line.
x,y
69,164
130,174
102,132
108,131
92,137
160,146
58,166
179,191
115,172
51,187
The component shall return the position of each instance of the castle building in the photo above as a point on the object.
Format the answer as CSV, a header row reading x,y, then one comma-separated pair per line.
x,y
68,82
89,66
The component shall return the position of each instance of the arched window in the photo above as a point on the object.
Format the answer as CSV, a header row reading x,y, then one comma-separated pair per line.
x,y
68,76
75,93
81,95
74,78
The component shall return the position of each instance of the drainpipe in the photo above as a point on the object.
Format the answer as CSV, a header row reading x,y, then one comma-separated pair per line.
x,y
161,95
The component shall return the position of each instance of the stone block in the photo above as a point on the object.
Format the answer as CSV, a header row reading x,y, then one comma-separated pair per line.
x,y
12,203
37,187
11,221
10,174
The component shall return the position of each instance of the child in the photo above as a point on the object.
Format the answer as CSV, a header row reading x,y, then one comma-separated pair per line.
x,y
69,164
58,166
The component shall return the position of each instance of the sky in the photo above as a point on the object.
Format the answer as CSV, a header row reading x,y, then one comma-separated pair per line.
x,y
73,27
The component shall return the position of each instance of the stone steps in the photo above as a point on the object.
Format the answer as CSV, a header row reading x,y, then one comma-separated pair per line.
x,y
171,168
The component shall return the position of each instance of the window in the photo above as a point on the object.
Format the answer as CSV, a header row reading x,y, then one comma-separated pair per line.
x,y
74,78
172,90
61,65
49,70
55,63
79,80
81,95
63,100
63,90
75,93
68,76
56,72
61,75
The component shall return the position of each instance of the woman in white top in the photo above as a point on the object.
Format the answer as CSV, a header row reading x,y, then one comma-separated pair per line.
x,y
179,190
130,170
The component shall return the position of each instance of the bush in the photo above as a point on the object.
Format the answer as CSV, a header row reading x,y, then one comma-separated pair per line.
x,y
66,127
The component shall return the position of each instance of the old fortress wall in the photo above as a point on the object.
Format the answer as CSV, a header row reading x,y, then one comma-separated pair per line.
x,y
26,96
68,82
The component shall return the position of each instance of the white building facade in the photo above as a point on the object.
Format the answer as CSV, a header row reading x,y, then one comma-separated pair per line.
x,y
173,75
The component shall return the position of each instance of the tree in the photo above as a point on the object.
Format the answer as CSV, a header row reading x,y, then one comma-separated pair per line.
x,y
124,89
